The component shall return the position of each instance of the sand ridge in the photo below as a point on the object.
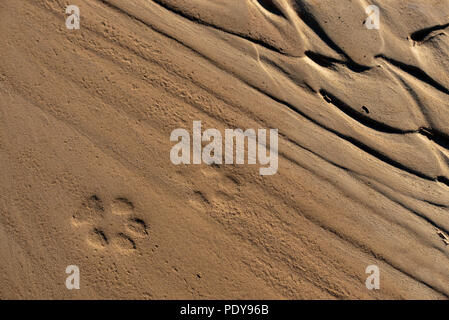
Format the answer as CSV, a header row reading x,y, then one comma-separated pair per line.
x,y
86,117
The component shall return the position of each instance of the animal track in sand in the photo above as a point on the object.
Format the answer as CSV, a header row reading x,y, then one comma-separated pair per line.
x,y
122,206
223,193
114,226
91,210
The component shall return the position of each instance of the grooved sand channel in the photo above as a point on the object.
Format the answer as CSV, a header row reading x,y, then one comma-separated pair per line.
x,y
85,171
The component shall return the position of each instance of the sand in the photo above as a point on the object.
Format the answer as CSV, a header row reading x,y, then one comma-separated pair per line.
x,y
85,171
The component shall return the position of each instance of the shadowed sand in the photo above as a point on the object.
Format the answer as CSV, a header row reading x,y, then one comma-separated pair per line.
x,y
86,178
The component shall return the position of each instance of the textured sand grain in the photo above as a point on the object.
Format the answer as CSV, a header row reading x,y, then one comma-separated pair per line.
x,y
86,178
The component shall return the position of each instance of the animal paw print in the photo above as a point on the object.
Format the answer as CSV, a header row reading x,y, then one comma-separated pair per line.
x,y
114,225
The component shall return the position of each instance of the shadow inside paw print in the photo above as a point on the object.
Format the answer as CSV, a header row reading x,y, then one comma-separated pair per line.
x,y
115,224
125,242
137,226
97,238
91,210
122,207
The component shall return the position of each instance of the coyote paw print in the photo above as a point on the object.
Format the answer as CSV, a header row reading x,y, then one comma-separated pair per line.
x,y
114,225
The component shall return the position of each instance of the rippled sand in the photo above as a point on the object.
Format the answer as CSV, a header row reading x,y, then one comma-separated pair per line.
x,y
86,178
